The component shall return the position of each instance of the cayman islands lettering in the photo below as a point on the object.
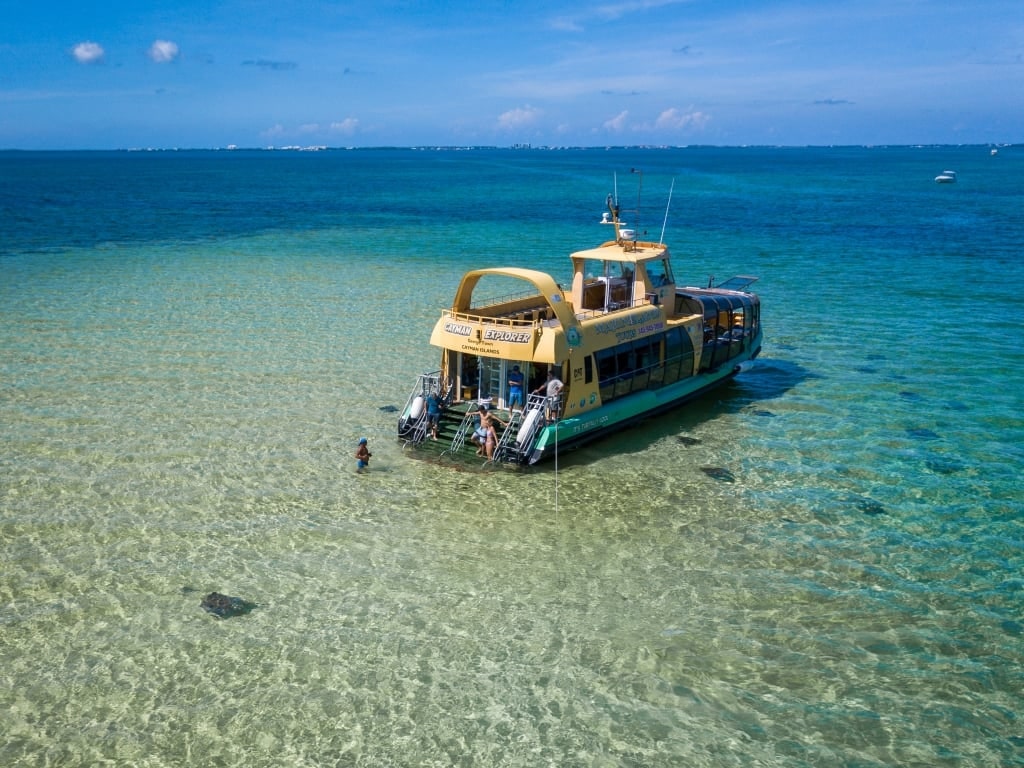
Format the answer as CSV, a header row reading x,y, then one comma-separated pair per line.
x,y
625,326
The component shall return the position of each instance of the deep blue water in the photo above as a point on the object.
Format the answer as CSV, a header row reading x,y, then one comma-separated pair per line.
x,y
819,564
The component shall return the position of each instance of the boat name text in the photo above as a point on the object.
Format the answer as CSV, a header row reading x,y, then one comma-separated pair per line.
x,y
458,329
513,337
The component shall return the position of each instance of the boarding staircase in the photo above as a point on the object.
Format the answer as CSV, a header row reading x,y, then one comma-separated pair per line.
x,y
466,427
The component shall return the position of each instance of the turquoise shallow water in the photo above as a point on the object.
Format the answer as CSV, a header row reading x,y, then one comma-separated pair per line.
x,y
191,343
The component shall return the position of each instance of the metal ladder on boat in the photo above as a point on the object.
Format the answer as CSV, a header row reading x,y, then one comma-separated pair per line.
x,y
413,423
466,426
517,440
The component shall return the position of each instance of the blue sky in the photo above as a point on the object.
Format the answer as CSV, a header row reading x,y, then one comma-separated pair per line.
x,y
256,73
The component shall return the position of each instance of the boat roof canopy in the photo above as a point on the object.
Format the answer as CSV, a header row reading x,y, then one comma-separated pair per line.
x,y
711,301
629,252
542,281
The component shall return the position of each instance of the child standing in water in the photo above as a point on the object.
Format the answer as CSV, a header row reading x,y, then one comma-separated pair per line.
x,y
362,456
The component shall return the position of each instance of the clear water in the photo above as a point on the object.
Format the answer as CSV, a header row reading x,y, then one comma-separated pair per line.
x,y
192,343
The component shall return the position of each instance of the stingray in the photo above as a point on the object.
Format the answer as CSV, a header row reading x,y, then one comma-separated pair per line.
x,y
922,433
389,408
225,606
945,466
870,507
719,473
685,440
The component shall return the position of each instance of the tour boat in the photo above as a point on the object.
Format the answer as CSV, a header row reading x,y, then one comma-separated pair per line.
x,y
623,340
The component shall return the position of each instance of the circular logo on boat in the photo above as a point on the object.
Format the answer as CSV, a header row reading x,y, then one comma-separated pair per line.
x,y
593,398
573,337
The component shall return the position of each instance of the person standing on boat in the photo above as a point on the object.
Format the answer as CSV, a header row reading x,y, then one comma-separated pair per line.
x,y
433,413
363,456
552,387
515,389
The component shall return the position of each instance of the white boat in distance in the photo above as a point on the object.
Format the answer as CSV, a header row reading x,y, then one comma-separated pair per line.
x,y
946,177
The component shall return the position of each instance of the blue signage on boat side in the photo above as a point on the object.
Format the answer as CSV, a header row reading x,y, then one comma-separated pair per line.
x,y
616,324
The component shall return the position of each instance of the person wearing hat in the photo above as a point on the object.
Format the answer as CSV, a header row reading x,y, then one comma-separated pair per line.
x,y
362,455
515,389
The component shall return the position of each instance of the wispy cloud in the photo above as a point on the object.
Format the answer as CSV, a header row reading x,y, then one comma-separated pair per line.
x,y
345,127
87,52
608,12
675,120
517,118
832,102
162,51
278,66
618,123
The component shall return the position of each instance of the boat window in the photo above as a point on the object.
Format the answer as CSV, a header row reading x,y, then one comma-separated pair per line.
x,y
673,351
606,373
657,376
659,272
588,369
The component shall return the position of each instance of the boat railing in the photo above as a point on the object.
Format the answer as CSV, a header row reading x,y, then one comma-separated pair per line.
x,y
466,426
413,423
524,426
508,298
521,318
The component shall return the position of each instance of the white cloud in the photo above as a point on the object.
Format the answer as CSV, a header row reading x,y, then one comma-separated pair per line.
x,y
617,123
518,118
347,126
87,52
162,51
674,120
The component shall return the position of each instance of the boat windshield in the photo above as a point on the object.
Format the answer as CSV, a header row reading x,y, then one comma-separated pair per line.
x,y
737,283
596,268
659,272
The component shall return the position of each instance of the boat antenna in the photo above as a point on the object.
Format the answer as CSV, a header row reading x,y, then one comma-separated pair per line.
x,y
667,205
639,190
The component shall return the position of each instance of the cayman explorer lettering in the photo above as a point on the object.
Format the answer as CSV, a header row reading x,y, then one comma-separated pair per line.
x,y
458,329
511,337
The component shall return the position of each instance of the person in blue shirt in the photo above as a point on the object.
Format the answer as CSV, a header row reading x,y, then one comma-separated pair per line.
x,y
515,389
433,413
363,456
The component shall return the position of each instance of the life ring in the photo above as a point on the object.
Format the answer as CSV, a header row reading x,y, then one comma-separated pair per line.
x,y
526,428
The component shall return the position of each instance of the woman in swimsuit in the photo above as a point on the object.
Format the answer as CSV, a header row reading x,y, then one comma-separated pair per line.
x,y
491,438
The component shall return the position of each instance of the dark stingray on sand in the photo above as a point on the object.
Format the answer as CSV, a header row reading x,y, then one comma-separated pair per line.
x,y
225,606
719,473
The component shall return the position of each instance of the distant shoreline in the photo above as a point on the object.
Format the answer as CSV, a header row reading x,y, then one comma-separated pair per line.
x,y
517,148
